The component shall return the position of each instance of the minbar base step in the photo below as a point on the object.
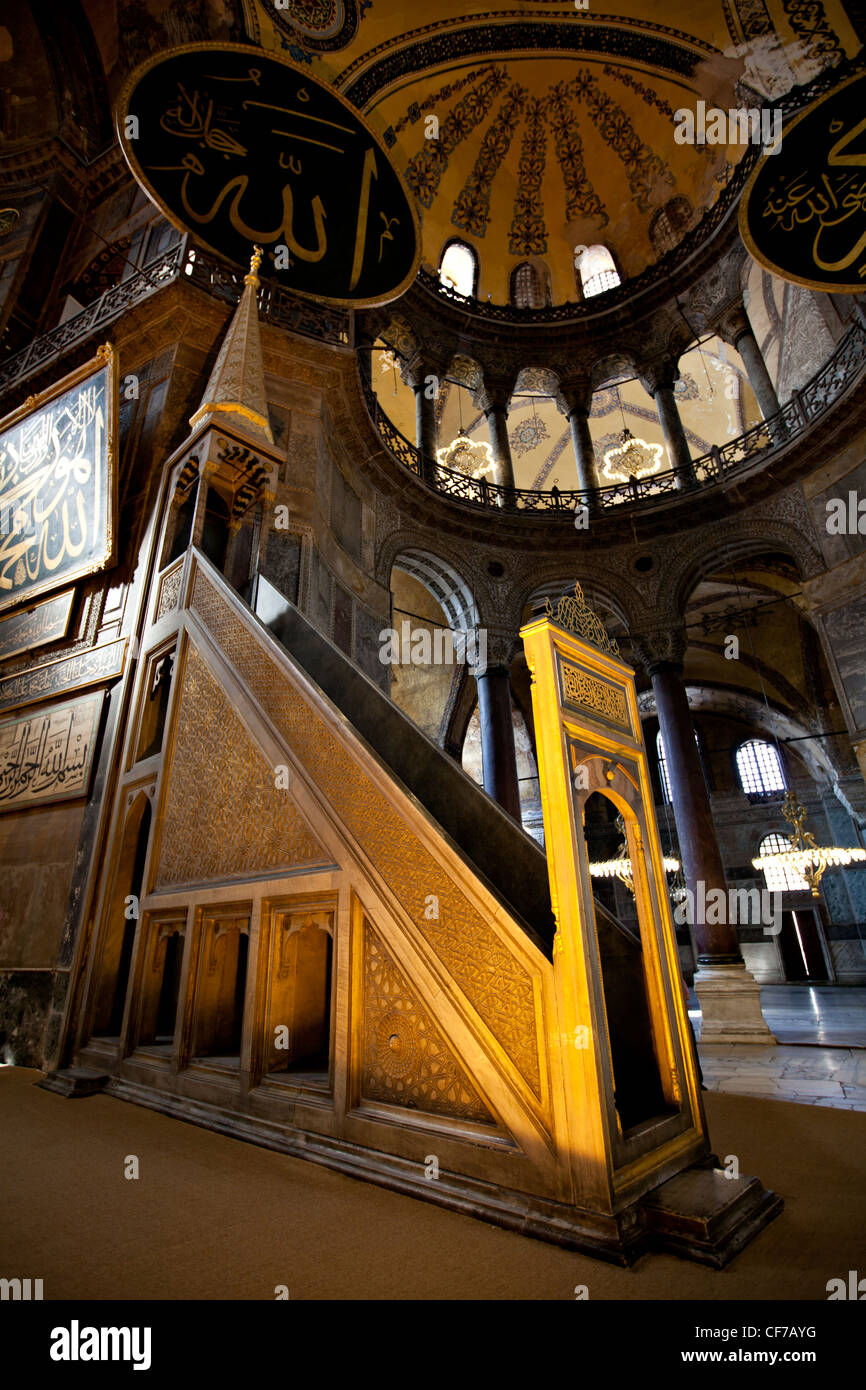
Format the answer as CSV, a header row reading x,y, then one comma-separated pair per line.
x,y
704,1214
74,1082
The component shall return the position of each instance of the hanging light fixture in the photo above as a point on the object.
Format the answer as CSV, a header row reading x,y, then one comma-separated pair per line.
x,y
471,457
805,857
620,866
631,458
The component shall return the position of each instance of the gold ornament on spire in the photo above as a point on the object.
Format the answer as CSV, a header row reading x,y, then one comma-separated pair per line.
x,y
255,261
575,614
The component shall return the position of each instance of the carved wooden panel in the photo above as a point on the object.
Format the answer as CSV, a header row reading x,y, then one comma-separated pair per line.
x,y
406,1060
496,984
224,815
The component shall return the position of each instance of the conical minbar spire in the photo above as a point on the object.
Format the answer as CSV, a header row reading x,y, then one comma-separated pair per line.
x,y
235,395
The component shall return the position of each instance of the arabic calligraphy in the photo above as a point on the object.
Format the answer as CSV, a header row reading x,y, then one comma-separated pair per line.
x,y
55,491
98,664
45,623
803,214
48,756
236,154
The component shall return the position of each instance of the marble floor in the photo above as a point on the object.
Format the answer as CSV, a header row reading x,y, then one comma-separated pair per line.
x,y
821,1056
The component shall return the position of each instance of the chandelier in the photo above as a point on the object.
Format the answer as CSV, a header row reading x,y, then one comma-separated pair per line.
x,y
472,457
631,458
804,857
619,867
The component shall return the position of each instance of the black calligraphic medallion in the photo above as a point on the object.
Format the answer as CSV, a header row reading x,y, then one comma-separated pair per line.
x,y
57,484
239,147
803,211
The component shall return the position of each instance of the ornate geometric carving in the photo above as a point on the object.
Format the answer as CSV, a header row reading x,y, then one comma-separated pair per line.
x,y
406,1059
584,689
494,982
169,591
223,815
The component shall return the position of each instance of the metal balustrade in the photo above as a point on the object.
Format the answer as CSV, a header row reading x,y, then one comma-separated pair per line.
x,y
180,262
829,383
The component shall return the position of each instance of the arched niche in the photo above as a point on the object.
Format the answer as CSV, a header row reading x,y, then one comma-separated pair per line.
x,y
120,921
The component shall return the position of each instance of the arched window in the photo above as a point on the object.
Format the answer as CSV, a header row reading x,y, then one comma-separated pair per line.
x,y
528,289
458,269
598,272
759,769
663,766
780,878
669,223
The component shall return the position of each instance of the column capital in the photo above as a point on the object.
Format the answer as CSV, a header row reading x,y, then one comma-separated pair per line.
x,y
574,396
501,649
660,646
494,393
659,374
732,323
423,363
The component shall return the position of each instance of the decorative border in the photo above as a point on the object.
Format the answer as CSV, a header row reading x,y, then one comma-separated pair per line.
x,y
103,663
105,360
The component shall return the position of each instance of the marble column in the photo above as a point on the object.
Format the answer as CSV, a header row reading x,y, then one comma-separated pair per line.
x,y
575,402
493,398
424,376
497,725
734,327
661,388
729,994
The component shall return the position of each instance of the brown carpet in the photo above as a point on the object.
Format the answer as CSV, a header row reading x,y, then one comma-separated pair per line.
x,y
211,1217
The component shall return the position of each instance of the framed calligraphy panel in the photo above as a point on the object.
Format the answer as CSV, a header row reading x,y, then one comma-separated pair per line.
x,y
57,484
803,210
48,755
32,627
240,147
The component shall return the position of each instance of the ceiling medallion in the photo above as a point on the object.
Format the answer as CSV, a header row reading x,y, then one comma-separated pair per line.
x,y
472,457
632,458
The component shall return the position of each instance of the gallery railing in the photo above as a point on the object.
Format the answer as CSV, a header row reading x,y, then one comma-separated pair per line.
x,y
180,262
829,383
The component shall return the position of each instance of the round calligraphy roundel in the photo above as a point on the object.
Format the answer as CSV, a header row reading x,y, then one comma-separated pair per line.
x,y
803,210
239,148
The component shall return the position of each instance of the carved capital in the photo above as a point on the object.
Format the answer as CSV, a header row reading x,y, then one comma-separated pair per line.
x,y
421,365
501,649
661,372
732,323
574,394
494,393
658,646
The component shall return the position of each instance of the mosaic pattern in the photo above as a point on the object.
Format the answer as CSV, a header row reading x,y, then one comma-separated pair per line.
x,y
527,435
581,198
406,1059
493,980
427,167
644,170
472,208
417,109
528,236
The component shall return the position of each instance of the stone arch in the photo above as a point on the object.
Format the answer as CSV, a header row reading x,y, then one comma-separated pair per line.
x,y
739,540
442,579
